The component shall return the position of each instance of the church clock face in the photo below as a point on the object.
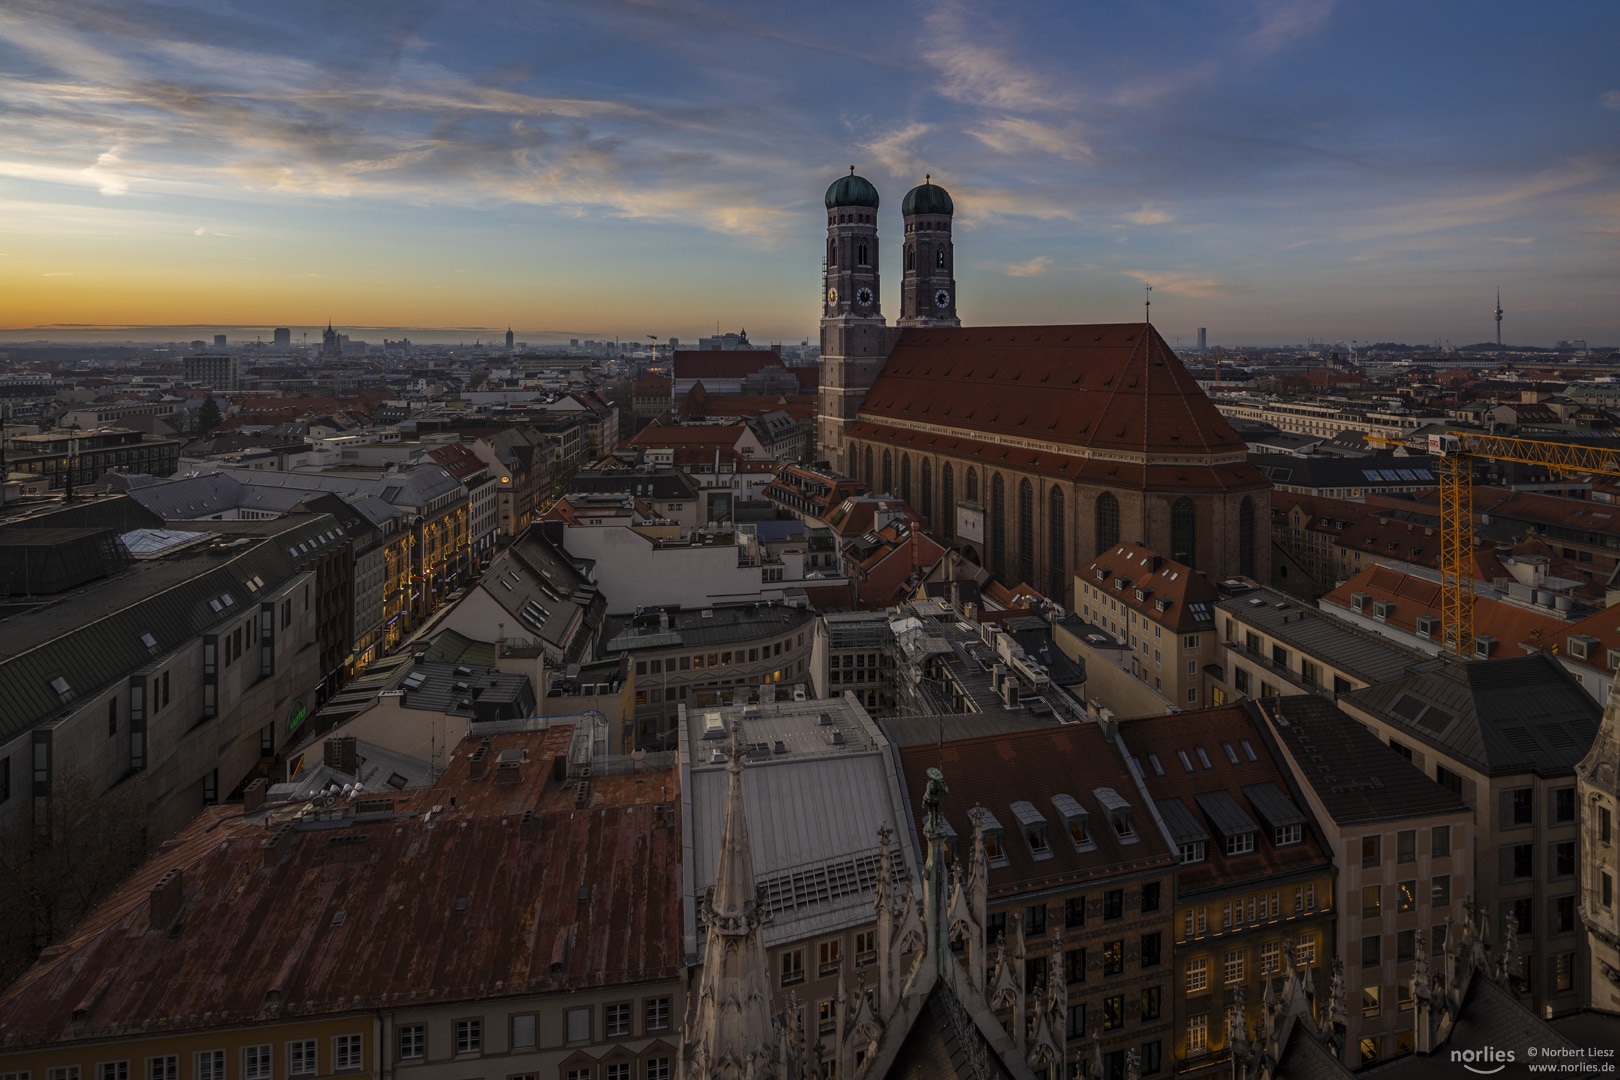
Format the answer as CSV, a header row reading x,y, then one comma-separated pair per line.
x,y
832,296
942,299
863,297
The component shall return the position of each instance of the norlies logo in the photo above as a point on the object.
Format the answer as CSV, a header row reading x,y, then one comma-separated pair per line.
x,y
1490,1055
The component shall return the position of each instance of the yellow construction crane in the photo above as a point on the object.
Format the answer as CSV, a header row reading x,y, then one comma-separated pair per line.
x,y
1454,453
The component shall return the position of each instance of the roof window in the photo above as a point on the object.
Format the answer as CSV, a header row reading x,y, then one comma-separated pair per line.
x,y
1118,812
1076,821
1033,824
995,851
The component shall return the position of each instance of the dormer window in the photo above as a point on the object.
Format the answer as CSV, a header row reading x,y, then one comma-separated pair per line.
x,y
1190,837
995,848
1240,843
1236,829
1033,826
1118,812
1076,822
1195,851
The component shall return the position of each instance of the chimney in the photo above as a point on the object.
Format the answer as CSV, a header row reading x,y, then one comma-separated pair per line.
x,y
343,754
272,846
166,897
253,795
478,764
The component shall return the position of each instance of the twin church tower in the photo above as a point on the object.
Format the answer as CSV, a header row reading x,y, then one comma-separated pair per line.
x,y
855,338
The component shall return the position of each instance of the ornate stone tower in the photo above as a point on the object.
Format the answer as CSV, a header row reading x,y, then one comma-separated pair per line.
x,y
928,291
854,336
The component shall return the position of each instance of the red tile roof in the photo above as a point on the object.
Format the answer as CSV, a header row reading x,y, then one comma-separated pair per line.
x,y
994,771
1214,730
1510,625
1160,579
679,435
1116,387
722,363
259,936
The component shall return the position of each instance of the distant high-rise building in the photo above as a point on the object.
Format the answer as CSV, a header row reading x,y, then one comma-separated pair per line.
x,y
199,345
219,341
216,371
1499,317
283,336
1203,339
331,341
573,343
509,339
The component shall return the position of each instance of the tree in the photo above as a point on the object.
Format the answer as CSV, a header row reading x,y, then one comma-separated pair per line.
x,y
208,417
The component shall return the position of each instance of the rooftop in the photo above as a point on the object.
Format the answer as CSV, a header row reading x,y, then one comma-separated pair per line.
x,y
701,626
1318,634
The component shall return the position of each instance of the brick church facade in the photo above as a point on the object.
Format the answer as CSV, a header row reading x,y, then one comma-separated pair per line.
x,y
1031,448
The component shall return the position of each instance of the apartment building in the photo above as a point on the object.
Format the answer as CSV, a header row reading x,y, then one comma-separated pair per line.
x,y
854,651
1403,848
1598,796
1506,736
1254,886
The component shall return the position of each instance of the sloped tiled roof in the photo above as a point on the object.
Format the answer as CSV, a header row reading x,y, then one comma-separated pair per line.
x,y
1191,598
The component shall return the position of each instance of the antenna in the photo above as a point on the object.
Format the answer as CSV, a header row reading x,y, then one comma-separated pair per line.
x,y
1147,304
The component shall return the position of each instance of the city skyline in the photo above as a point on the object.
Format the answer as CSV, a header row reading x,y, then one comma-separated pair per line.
x,y
1276,171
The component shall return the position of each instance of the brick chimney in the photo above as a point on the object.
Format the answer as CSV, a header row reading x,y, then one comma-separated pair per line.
x,y
166,898
254,794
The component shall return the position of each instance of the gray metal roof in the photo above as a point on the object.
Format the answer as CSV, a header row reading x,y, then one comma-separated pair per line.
x,y
1318,634
1224,813
722,626
1068,807
1274,808
1184,826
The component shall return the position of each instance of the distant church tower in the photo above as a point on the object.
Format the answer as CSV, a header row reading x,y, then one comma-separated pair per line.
x,y
509,339
854,337
928,292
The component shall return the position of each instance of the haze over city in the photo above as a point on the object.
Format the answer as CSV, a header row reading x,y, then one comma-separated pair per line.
x,y
1277,170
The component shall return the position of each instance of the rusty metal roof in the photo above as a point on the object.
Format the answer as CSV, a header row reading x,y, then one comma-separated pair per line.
x,y
428,901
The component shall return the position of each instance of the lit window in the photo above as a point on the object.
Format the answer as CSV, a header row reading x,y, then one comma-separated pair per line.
x,y
1197,975
1234,967
1198,1034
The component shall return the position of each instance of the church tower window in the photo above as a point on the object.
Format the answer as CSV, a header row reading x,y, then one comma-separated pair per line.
x,y
868,466
1107,522
905,478
860,256
998,528
1246,537
911,258
1057,586
1184,533
927,471
947,501
939,258
832,252
973,486
888,473
1026,531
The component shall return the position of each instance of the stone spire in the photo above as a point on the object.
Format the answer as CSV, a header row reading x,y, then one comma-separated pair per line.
x,y
730,1033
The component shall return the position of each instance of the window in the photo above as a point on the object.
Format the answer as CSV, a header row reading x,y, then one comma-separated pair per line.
x,y
1055,546
1520,803
1198,1034
1107,522
1240,843
1114,904
1152,949
1371,852
1564,859
826,1017
865,946
1074,966
1074,912
1240,680
1152,1003
1305,950
1184,533
577,1074
346,1053
1026,531
1440,841
1114,1012
1193,851
578,1024
1449,780
995,925
1152,1058
831,954
1114,957
1197,975
469,1036
163,1067
1372,950
657,1014
658,1069
1077,1022
1370,1003
618,1070
618,1020
1234,967
1406,896
1150,896
1309,673
792,967
119,1070
1406,846
1372,900
1563,912
255,1062
1288,834
210,1065
413,1038
1440,890
1564,971
1522,860
64,1072
301,1058
1034,974
1405,946
1564,806
1604,821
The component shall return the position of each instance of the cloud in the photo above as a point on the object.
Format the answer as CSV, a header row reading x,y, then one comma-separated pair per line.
x,y
1456,209
1034,268
1179,283
1514,239
1016,134
60,273
1148,215
1280,23
1611,99
896,150
976,70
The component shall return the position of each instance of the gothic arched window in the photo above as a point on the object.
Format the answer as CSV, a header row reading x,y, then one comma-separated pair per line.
x,y
860,257
1107,522
972,492
868,466
1026,531
911,257
832,252
939,259
1246,537
947,501
905,477
888,474
1184,533
927,471
1058,586
998,528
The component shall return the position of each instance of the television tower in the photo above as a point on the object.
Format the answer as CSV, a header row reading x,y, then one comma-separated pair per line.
x,y
1498,318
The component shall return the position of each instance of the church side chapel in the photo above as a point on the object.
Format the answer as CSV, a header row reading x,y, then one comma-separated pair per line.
x,y
1032,449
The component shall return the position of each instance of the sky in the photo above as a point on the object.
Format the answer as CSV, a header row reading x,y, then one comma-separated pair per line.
x,y
1277,170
